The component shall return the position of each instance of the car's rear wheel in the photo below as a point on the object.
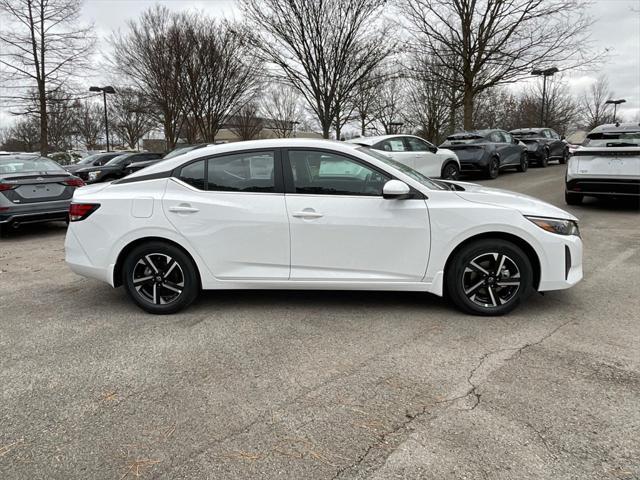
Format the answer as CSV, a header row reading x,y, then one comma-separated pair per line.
x,y
524,162
160,278
489,277
544,160
573,198
565,156
450,171
493,169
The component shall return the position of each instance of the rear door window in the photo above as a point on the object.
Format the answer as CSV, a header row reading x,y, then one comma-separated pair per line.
x,y
244,172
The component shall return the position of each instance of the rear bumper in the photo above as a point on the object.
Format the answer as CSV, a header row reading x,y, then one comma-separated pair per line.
x,y
604,187
79,262
35,216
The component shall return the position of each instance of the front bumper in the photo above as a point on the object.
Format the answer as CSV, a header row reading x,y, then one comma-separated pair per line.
x,y
604,187
560,275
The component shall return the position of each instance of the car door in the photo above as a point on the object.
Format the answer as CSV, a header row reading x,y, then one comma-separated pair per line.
x,y
231,209
556,146
426,162
512,149
397,149
342,229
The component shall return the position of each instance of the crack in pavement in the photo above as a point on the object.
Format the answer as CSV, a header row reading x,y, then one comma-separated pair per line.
x,y
473,390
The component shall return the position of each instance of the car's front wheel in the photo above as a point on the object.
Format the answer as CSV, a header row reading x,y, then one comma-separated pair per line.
x,y
489,277
160,278
451,171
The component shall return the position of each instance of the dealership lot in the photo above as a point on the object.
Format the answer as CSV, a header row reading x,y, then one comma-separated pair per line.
x,y
323,384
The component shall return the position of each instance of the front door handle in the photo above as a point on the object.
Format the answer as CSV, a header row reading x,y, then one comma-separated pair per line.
x,y
183,209
306,214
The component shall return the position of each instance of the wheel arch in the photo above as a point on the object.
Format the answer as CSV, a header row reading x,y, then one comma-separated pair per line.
x,y
117,270
526,247
447,161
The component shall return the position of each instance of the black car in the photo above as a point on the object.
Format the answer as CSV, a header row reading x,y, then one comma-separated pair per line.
x,y
94,160
487,151
543,144
115,168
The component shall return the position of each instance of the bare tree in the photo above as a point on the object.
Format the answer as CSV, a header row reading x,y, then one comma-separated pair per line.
x,y
390,104
365,99
89,123
486,43
24,135
130,115
152,54
281,107
324,49
246,123
41,45
429,108
595,110
220,77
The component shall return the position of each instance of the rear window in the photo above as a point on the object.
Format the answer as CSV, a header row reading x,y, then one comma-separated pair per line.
x,y
613,139
28,165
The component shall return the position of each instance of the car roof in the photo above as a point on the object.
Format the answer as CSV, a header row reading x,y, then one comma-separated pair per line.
x,y
378,138
233,147
527,130
616,128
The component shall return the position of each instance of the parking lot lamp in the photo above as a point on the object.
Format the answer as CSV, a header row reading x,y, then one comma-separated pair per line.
x,y
615,104
548,72
104,91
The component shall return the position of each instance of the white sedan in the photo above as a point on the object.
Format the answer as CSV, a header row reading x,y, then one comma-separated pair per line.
x,y
416,153
315,214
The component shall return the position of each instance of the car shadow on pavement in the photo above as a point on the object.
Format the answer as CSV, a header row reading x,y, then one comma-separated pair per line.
x,y
32,230
618,204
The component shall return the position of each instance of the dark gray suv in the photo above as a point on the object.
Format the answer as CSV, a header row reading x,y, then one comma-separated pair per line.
x,y
34,189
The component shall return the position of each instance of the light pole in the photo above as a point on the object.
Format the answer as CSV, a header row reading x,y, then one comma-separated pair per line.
x,y
544,73
615,104
104,91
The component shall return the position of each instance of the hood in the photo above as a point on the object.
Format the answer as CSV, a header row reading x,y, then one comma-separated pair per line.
x,y
504,198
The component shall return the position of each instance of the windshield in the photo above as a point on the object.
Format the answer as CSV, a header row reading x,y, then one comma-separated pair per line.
x,y
526,134
180,151
89,159
613,139
118,160
424,180
28,165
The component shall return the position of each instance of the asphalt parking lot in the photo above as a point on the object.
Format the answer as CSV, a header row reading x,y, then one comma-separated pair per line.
x,y
323,385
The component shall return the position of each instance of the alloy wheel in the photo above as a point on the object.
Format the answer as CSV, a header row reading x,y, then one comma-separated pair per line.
x,y
451,172
494,168
491,279
158,278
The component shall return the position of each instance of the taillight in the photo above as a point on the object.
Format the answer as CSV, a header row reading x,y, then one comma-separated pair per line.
x,y
80,211
6,186
74,182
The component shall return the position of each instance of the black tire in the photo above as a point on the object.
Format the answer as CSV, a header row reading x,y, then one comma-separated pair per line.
x,y
476,287
524,162
450,171
167,288
544,161
493,169
573,198
565,157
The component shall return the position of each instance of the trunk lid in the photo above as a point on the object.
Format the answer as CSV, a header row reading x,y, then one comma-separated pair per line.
x,y
37,187
618,162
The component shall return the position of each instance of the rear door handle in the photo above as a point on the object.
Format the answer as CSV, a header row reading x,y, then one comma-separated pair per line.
x,y
306,214
183,209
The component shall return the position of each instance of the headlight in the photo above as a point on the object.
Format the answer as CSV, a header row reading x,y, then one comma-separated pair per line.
x,y
94,175
556,225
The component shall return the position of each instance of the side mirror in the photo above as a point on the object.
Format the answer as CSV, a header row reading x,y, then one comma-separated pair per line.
x,y
395,189
515,140
433,149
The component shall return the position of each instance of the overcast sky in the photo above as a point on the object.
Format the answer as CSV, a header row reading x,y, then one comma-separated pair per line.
x,y
616,27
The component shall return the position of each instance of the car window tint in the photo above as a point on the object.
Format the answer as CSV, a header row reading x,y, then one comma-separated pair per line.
x,y
496,137
417,145
193,174
244,172
324,173
391,145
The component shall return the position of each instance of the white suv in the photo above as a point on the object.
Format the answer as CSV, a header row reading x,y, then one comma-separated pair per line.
x,y
606,165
